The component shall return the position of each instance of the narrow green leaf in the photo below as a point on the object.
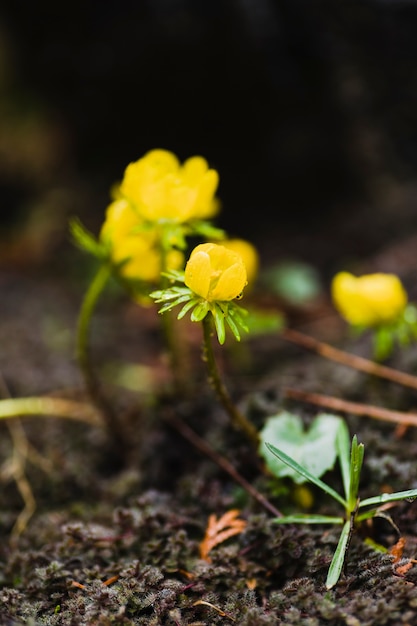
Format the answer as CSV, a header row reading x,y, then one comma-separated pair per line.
x,y
339,556
356,460
303,472
343,452
200,311
306,518
233,327
186,308
219,324
410,495
86,240
175,275
171,305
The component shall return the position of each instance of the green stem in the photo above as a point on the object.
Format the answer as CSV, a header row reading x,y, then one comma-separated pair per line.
x,y
237,418
83,355
176,348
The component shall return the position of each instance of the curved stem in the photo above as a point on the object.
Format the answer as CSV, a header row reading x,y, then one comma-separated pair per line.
x,y
238,419
83,356
47,405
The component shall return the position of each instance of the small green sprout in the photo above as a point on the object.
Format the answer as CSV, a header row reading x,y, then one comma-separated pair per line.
x,y
350,459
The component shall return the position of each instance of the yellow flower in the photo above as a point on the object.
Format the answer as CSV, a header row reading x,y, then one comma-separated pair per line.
x,y
161,188
135,248
215,273
121,220
248,253
369,300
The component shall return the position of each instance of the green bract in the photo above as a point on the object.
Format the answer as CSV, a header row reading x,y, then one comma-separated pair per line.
x,y
227,312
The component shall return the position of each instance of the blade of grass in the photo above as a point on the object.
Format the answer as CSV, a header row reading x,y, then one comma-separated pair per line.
x,y
343,451
303,472
411,494
338,559
356,460
305,518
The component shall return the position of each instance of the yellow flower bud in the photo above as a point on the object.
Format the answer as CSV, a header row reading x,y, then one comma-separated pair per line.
x,y
369,300
215,273
160,188
136,248
248,253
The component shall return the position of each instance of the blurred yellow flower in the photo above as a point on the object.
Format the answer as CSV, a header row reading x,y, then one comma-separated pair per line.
x,y
368,300
161,188
135,248
249,254
215,273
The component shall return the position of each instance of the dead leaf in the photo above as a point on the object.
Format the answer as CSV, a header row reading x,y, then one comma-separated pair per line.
x,y
218,530
397,549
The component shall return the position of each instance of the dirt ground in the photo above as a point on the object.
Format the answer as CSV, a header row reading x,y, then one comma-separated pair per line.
x,y
115,536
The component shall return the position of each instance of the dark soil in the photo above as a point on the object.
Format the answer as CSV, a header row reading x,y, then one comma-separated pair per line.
x,y
117,541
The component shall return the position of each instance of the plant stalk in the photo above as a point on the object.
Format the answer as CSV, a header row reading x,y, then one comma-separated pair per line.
x,y
238,419
177,349
114,427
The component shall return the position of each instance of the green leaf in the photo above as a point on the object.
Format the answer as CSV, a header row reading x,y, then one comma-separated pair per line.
x,y
206,230
306,518
86,240
339,556
264,322
189,305
171,305
356,460
296,282
314,449
410,495
218,317
343,452
383,342
303,472
175,275
200,311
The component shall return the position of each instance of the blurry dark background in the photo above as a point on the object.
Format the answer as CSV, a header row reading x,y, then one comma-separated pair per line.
x,y
308,110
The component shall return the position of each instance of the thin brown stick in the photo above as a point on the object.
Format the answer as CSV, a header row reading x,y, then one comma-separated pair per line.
x,y
225,465
350,360
355,408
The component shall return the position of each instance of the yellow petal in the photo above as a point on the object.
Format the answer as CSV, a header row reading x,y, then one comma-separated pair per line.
x,y
230,284
198,272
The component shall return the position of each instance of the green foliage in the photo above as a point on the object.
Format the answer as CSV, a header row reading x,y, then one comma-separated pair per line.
x,y
351,465
266,322
296,282
223,312
86,241
402,333
314,449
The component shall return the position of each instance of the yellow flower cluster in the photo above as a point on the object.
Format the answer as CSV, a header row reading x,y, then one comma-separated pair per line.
x,y
215,273
370,300
160,188
133,246
156,189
